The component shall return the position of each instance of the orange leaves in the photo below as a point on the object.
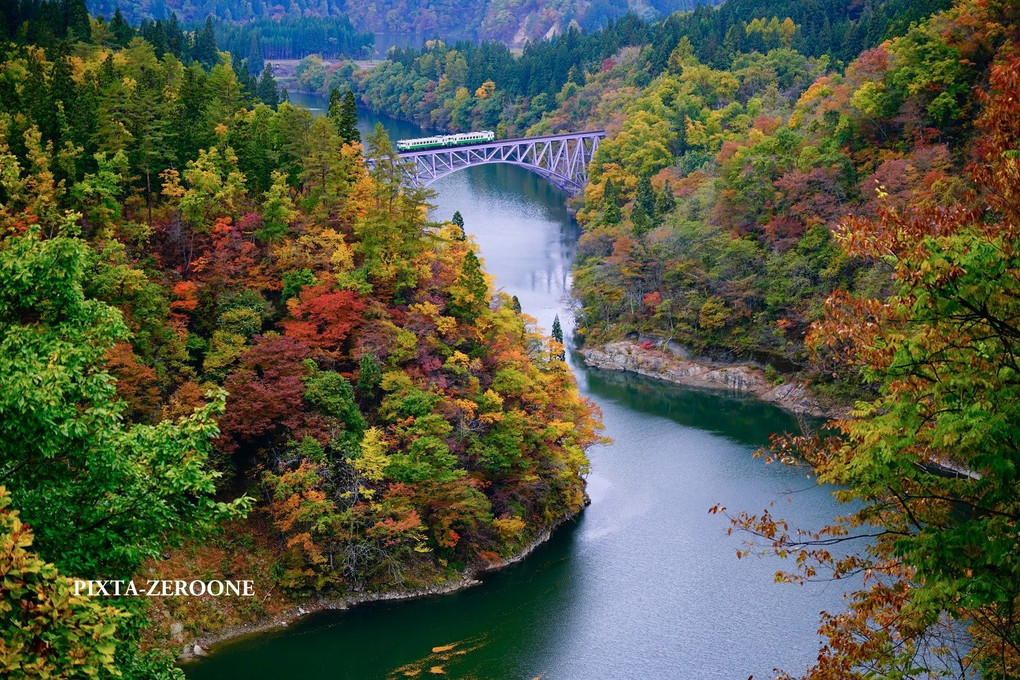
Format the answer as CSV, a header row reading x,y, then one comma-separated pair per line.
x,y
185,301
136,382
996,167
323,318
186,297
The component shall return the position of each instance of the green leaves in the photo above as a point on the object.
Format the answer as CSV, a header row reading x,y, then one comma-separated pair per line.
x,y
101,496
46,631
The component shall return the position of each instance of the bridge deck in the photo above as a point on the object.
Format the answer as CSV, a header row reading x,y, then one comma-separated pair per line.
x,y
501,142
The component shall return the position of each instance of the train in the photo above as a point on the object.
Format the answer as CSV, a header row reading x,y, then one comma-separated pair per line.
x,y
461,139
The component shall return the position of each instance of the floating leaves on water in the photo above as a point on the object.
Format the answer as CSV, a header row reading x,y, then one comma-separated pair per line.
x,y
444,659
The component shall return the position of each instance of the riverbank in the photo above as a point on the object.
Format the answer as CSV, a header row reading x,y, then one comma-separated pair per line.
x,y
203,645
678,367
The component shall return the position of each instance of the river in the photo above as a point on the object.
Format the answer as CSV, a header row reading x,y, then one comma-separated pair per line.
x,y
645,584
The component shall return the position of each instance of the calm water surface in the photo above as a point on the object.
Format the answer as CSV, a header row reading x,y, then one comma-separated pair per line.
x,y
645,584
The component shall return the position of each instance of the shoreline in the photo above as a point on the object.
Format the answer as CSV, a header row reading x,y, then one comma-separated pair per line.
x,y
679,368
204,646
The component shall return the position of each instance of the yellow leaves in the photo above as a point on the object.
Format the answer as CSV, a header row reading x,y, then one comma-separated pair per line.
x,y
491,401
426,310
396,381
77,65
866,98
485,90
467,407
458,362
406,346
446,325
341,259
561,428
374,458
509,528
172,184
714,314
491,418
226,348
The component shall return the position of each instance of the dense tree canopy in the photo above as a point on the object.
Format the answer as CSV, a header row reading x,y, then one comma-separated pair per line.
x,y
205,302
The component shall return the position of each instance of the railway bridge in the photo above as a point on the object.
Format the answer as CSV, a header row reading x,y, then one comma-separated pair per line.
x,y
561,159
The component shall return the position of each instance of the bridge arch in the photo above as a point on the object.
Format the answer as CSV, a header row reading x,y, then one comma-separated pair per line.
x,y
560,159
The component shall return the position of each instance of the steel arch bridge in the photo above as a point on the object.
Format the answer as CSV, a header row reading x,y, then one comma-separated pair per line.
x,y
561,159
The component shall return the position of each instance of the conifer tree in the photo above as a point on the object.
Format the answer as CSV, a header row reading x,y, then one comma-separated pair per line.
x,y
610,206
267,90
204,51
665,203
643,213
77,17
472,294
343,111
122,31
458,221
557,335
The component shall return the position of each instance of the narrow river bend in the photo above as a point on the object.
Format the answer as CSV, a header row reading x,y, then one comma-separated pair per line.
x,y
645,584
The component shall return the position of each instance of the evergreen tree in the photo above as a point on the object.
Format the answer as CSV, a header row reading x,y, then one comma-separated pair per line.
x,y
458,221
516,303
204,51
472,294
610,205
121,30
645,196
343,111
255,56
557,335
336,102
349,119
77,19
176,44
267,90
643,213
665,203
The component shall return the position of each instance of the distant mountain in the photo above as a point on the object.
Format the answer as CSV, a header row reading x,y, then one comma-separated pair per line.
x,y
508,21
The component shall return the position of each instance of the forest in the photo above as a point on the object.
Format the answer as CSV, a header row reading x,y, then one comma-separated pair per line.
x,y
506,21
229,344
292,38
465,86
213,313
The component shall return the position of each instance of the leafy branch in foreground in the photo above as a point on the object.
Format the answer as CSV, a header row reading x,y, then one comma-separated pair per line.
x,y
930,465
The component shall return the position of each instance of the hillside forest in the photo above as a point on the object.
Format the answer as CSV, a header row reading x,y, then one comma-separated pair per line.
x,y
499,20
837,207
214,314
229,343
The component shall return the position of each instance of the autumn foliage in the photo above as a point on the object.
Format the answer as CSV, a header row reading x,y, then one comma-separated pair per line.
x,y
930,462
